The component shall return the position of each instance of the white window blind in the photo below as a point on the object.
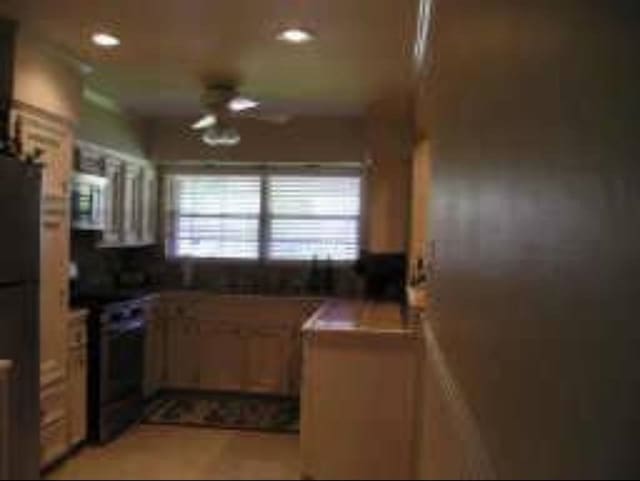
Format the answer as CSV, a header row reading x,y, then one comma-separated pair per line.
x,y
279,216
216,216
313,216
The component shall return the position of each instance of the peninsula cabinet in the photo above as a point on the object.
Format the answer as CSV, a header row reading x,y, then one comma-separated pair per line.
x,y
359,398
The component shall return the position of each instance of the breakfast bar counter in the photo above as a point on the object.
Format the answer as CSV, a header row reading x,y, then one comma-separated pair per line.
x,y
340,318
359,392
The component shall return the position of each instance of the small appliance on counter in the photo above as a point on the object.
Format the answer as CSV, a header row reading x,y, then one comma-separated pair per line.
x,y
88,197
384,275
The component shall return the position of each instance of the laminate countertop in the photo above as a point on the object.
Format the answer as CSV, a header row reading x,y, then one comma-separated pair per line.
x,y
340,317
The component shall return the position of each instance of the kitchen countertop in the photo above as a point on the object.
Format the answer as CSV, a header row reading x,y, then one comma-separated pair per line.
x,y
360,318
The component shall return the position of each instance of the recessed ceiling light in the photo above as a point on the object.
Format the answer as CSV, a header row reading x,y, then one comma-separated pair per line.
x,y
105,40
296,35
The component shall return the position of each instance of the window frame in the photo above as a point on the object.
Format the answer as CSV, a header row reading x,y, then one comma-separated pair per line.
x,y
264,229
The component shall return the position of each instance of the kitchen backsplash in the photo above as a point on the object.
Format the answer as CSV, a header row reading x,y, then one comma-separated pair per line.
x,y
147,267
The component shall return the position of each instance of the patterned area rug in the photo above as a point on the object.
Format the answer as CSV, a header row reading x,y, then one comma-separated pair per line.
x,y
226,411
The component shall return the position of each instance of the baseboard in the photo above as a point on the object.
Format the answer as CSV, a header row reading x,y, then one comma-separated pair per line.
x,y
45,471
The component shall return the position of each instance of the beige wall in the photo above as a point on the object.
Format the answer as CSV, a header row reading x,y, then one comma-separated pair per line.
x,y
315,140
43,81
420,197
112,128
383,139
533,111
389,144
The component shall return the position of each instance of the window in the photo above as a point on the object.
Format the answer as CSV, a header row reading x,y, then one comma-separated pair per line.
x,y
215,216
314,217
272,215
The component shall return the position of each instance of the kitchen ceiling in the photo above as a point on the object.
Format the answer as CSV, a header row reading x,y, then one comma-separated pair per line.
x,y
172,48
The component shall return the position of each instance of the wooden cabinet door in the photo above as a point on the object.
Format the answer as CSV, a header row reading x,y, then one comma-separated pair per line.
x,y
154,357
130,204
77,392
222,358
54,292
114,201
150,207
268,361
183,354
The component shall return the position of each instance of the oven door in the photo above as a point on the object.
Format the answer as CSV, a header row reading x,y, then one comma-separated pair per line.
x,y
122,366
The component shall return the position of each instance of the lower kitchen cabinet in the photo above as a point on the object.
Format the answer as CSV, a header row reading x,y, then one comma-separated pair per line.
x,y
54,414
205,342
222,358
155,353
77,396
268,360
183,362
77,379
211,357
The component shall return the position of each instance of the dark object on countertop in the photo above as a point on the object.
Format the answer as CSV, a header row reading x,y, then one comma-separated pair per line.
x,y
329,281
385,276
314,281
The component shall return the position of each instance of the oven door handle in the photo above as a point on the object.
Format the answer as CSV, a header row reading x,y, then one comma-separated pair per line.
x,y
129,328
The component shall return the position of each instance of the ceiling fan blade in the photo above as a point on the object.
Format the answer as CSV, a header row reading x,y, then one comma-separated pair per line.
x,y
271,117
205,122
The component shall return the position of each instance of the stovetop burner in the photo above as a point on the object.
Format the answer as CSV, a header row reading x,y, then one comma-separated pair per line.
x,y
97,299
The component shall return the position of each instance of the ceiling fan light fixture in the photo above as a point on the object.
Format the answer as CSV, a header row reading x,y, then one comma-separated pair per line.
x,y
240,104
221,137
296,36
105,40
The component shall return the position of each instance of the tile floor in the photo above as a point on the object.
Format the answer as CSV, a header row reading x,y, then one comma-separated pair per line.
x,y
157,452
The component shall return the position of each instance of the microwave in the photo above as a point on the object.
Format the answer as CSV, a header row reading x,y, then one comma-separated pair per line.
x,y
88,202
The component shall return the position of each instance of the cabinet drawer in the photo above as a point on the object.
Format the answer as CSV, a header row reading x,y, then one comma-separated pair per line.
x,y
53,443
52,404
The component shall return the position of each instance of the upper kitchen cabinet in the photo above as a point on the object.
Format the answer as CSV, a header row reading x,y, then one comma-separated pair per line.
x,y
130,194
53,137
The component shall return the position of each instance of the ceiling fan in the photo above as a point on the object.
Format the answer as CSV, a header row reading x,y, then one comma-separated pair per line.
x,y
222,103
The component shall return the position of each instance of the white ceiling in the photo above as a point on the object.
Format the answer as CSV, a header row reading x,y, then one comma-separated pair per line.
x,y
171,48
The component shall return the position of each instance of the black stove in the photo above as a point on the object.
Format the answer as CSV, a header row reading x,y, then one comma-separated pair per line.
x,y
117,330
